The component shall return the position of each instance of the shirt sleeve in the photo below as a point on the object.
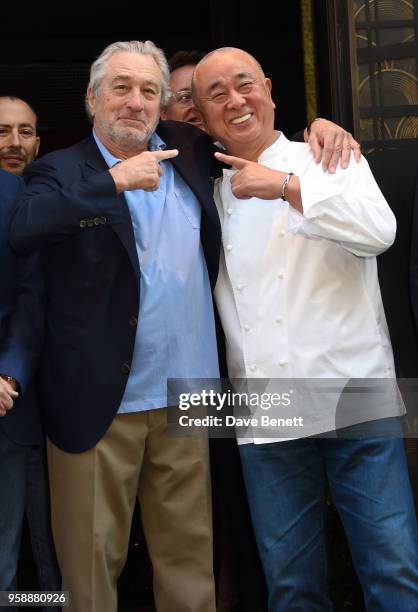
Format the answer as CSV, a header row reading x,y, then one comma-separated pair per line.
x,y
346,207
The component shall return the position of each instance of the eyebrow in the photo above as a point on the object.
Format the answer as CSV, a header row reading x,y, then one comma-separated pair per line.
x,y
237,77
128,77
20,125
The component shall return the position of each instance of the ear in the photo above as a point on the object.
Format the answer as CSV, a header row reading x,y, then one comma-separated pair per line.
x,y
206,129
267,83
163,114
91,101
38,142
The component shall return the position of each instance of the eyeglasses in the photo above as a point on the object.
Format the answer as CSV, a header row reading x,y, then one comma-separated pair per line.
x,y
182,97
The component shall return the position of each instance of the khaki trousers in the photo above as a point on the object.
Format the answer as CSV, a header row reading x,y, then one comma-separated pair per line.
x,y
93,496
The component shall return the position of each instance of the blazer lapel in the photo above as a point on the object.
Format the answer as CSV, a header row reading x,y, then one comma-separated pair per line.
x,y
193,162
124,230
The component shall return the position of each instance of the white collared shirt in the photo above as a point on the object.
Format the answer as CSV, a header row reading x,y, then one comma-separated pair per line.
x,y
298,295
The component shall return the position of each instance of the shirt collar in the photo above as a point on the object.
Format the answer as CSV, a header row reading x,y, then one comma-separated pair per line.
x,y
280,142
274,148
155,144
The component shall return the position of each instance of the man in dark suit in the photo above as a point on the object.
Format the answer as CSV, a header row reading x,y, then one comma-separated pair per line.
x,y
129,246
23,479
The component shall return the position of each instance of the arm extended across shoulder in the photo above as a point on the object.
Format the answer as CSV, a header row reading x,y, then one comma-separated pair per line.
x,y
347,207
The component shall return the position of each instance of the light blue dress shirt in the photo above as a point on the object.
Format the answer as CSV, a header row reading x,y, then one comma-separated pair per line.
x,y
175,337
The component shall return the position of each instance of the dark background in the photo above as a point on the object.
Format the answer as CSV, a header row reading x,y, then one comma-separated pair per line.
x,y
45,54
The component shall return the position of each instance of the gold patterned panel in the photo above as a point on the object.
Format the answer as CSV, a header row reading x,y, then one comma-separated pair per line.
x,y
395,87
407,127
385,10
390,82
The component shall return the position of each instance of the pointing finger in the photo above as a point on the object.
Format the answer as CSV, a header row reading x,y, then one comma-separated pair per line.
x,y
168,154
236,162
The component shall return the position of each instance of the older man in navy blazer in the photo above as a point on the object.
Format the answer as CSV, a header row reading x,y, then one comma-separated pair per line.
x,y
23,481
129,238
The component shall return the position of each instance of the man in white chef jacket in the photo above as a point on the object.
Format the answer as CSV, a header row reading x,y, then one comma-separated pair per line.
x,y
299,298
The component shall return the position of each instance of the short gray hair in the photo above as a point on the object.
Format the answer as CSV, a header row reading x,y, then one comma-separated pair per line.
x,y
98,68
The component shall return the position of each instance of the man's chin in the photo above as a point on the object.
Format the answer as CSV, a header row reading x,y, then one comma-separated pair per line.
x,y
13,167
132,137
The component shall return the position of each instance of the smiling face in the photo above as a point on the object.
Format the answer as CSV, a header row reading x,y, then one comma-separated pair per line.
x,y
19,143
234,98
180,106
126,109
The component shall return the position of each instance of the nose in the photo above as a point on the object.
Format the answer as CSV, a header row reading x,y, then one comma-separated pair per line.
x,y
235,99
14,138
135,101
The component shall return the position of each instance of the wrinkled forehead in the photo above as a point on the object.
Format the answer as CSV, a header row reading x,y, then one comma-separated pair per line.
x,y
124,64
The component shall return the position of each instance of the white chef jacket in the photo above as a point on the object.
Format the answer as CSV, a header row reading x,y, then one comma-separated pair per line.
x,y
298,295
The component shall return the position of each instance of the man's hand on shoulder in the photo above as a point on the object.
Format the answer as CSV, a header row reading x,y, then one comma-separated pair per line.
x,y
331,144
141,171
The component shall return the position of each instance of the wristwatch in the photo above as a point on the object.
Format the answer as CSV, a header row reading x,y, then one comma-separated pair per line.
x,y
8,378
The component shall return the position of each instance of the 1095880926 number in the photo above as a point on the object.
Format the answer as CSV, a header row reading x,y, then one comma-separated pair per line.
x,y
34,598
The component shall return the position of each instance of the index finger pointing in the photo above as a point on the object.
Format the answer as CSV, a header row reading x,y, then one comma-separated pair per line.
x,y
168,154
236,162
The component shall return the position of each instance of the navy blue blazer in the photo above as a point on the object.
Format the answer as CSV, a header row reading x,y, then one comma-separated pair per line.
x,y
71,211
21,323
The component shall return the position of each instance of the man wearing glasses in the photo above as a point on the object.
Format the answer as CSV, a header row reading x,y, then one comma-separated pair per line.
x,y
180,106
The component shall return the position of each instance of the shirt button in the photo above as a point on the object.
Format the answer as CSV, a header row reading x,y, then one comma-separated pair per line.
x,y
229,247
125,368
246,327
229,211
253,367
280,274
279,319
283,362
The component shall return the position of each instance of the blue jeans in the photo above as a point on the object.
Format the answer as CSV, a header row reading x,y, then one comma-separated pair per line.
x,y
287,485
24,488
